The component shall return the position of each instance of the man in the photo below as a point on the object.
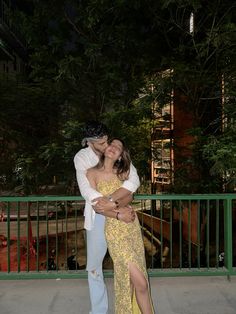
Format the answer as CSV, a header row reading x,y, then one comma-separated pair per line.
x,y
97,207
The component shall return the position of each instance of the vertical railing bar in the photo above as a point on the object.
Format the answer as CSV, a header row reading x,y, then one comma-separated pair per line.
x,y
208,234
142,223
171,234
8,238
189,233
66,247
76,238
161,229
141,220
180,234
153,207
47,240
152,228
57,253
142,209
18,238
228,235
37,235
198,235
62,236
27,231
217,233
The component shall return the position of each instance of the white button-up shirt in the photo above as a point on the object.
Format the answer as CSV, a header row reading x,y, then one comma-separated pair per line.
x,y
85,159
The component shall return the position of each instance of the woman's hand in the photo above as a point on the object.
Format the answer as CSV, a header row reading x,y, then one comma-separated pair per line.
x,y
126,214
102,204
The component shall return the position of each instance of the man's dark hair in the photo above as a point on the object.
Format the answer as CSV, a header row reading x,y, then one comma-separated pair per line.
x,y
95,129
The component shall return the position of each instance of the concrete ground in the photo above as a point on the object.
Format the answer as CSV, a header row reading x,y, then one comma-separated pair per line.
x,y
184,295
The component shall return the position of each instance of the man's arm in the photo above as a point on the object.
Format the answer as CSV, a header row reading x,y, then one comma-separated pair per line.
x,y
129,186
119,209
123,195
104,204
125,214
81,166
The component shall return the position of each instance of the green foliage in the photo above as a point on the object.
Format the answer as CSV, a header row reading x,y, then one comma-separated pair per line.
x,y
220,149
200,61
29,119
104,60
133,125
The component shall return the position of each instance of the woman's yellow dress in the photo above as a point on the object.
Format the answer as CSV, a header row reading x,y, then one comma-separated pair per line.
x,y
125,244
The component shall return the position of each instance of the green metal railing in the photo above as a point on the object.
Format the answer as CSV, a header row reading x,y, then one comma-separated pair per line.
x,y
184,235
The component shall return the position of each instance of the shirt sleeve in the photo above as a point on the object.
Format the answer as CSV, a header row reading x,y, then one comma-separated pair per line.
x,y
81,166
133,182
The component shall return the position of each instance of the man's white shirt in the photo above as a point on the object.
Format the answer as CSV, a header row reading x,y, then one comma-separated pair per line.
x,y
85,159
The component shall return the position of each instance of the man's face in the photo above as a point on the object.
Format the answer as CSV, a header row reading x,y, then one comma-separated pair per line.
x,y
99,145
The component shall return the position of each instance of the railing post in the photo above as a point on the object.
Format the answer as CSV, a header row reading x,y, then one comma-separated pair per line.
x,y
8,238
228,235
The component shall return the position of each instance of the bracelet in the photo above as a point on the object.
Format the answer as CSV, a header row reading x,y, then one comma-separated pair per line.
x,y
111,200
117,215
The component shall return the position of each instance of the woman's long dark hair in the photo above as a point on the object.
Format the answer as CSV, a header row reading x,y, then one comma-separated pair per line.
x,y
122,165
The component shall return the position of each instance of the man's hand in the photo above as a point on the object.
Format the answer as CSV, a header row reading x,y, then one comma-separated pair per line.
x,y
126,214
102,204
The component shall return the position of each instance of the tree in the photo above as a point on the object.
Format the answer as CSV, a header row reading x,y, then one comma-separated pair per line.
x,y
96,56
29,119
199,62
94,60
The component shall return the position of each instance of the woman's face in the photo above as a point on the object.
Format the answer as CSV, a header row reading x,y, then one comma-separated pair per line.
x,y
114,150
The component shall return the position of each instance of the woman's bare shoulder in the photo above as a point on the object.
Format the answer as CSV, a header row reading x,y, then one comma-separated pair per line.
x,y
92,175
91,171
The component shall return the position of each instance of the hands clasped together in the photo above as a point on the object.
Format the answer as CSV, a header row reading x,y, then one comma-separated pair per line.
x,y
103,205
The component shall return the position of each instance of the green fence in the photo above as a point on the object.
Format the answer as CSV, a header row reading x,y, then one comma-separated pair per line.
x,y
184,235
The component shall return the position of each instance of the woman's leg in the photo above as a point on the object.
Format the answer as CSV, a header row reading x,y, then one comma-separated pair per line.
x,y
141,289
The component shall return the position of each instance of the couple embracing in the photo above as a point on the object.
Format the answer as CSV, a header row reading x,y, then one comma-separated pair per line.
x,y
107,180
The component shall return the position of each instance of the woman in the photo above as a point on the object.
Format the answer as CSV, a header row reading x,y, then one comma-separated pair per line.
x,y
124,241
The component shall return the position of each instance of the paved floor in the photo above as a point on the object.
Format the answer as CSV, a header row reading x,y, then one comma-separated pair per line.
x,y
188,295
